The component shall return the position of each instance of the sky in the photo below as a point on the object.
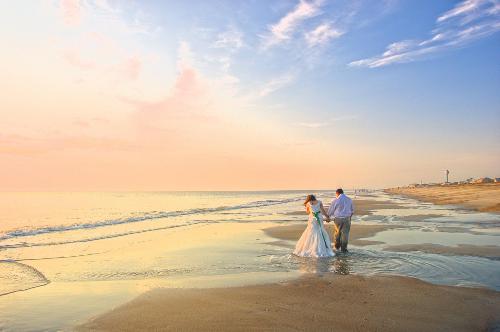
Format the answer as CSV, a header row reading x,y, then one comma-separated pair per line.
x,y
247,95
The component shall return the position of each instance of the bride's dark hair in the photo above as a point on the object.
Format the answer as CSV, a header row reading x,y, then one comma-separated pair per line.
x,y
309,198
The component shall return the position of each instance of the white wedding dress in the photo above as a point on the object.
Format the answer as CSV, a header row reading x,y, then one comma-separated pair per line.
x,y
315,241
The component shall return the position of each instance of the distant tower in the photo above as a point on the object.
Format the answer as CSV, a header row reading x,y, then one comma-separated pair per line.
x,y
447,174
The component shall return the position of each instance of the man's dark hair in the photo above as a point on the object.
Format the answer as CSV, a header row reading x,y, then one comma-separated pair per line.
x,y
339,191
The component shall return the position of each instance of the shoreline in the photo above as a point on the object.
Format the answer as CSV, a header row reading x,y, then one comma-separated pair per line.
x,y
476,197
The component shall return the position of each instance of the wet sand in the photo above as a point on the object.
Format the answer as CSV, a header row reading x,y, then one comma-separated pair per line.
x,y
478,197
461,249
315,303
366,206
362,207
358,232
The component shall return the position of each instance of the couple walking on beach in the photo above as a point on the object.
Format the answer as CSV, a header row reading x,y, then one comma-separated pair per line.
x,y
315,241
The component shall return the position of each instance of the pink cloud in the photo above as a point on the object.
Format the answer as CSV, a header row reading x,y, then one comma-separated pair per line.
x,y
104,42
71,11
132,67
188,97
81,123
75,59
99,120
26,145
87,123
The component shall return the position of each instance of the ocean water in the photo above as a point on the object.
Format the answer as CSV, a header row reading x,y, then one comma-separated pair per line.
x,y
65,257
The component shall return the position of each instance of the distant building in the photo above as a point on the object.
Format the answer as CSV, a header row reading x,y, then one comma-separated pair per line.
x,y
463,182
483,180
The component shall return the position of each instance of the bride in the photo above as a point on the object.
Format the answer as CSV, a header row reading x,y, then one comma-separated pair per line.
x,y
315,241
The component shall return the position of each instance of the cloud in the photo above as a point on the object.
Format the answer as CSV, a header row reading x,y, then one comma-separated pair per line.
x,y
398,47
463,9
81,123
276,84
286,26
313,124
131,68
106,6
74,58
87,123
322,34
468,21
184,55
31,145
183,99
188,98
71,11
124,15
101,44
231,40
327,123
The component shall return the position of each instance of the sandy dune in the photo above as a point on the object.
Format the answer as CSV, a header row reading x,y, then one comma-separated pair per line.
x,y
479,197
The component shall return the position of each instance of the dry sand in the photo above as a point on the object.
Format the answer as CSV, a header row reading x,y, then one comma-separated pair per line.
x,y
479,197
329,303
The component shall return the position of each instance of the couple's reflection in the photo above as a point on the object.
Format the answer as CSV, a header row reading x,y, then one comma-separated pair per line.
x,y
340,264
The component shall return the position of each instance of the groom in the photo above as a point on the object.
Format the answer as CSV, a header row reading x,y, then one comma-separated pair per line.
x,y
341,210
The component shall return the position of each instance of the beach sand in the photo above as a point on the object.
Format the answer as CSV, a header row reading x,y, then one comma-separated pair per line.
x,y
478,197
312,303
317,302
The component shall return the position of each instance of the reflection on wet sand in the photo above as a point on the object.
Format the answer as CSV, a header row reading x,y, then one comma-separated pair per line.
x,y
340,264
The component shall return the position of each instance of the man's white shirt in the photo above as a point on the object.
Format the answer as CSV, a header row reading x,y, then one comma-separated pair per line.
x,y
341,207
